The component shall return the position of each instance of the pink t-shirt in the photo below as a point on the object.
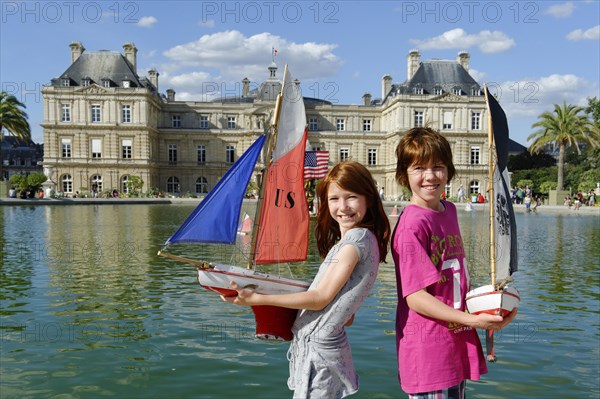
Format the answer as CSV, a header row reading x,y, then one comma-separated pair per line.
x,y
428,253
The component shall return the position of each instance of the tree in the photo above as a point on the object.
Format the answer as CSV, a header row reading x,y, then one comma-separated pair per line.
x,y
593,109
13,119
567,126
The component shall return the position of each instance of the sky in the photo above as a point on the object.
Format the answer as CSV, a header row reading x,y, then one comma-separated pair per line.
x,y
532,54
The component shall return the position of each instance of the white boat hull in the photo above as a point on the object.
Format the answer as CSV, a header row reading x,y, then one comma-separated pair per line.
x,y
272,322
486,299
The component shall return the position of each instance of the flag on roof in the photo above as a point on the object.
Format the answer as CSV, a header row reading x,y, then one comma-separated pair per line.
x,y
315,164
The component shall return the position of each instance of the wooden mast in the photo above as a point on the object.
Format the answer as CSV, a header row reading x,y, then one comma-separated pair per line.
x,y
271,140
492,165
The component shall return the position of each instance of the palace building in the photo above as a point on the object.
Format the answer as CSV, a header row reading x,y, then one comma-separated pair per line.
x,y
104,124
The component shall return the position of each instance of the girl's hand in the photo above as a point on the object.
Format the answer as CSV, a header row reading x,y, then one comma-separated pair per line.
x,y
244,295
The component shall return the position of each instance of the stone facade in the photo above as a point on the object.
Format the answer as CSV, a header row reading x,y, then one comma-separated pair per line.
x,y
104,124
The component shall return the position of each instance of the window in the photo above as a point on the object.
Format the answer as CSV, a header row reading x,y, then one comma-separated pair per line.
x,y
124,185
172,154
67,184
96,114
457,91
201,150
344,154
474,187
475,91
66,148
85,82
447,120
203,122
475,120
176,121
106,82
66,82
201,185
418,90
96,148
97,181
173,184
126,113
372,156
340,125
475,155
126,84
127,148
438,91
418,118
229,154
313,125
65,115
231,122
366,125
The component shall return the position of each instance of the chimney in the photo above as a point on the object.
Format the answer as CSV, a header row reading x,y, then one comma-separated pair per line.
x,y
366,99
153,75
386,86
414,59
245,87
131,54
170,95
76,50
463,59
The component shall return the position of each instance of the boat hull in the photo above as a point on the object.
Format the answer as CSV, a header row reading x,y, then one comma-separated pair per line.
x,y
272,322
486,299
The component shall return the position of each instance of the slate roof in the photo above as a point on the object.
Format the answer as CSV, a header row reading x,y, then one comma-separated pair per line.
x,y
99,65
432,74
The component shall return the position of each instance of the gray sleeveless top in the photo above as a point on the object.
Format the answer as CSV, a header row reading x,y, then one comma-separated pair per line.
x,y
320,358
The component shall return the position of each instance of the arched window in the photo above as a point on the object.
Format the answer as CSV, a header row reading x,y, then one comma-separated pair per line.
x,y
474,187
97,181
67,183
173,185
201,185
124,186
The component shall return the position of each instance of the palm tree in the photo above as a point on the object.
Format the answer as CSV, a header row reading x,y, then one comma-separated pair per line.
x,y
13,119
567,125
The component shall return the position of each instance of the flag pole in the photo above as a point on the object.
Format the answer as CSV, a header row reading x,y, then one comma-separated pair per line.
x,y
492,166
489,334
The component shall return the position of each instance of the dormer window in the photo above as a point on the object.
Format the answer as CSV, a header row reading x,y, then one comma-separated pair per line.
x,y
457,91
418,90
106,82
85,82
476,91
438,91
126,84
66,82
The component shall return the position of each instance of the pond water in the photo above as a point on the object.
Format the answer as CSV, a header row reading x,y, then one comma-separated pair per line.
x,y
88,310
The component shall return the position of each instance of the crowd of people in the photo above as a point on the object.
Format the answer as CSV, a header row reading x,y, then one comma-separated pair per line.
x,y
580,199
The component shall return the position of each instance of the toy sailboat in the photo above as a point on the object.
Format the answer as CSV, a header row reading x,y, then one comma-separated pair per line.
x,y
499,297
280,231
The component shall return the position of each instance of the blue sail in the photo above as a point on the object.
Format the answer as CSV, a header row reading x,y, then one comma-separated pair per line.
x,y
215,220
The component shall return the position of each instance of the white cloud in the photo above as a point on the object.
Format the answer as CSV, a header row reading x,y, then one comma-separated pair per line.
x,y
147,22
477,75
486,41
590,34
531,97
236,56
561,10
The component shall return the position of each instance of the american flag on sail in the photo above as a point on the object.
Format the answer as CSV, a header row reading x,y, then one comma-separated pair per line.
x,y
315,164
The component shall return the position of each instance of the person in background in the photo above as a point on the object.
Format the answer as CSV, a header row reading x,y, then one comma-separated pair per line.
x,y
438,346
352,235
